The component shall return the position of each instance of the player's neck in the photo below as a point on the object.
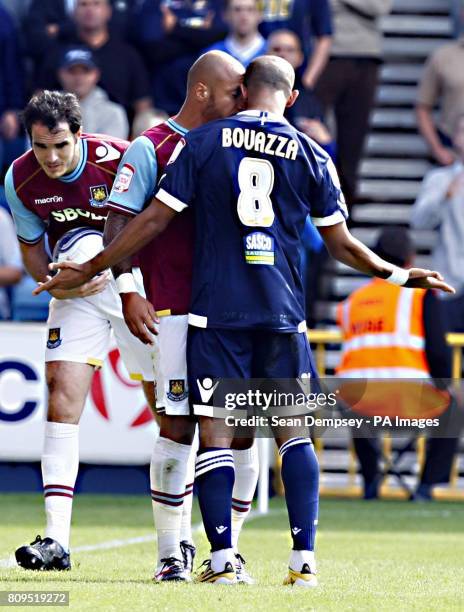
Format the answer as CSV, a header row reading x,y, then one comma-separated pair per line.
x,y
264,104
189,117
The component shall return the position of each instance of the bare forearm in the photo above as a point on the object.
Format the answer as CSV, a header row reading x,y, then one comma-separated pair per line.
x,y
427,127
318,60
349,250
35,260
9,275
114,225
140,230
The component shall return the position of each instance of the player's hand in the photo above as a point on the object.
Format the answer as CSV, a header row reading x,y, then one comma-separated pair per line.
x,y
456,186
444,156
93,287
71,275
428,279
140,316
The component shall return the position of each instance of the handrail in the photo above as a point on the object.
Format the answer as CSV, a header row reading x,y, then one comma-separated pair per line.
x,y
321,337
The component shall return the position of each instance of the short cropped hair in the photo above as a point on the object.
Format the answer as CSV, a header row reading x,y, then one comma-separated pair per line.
x,y
395,245
51,108
266,72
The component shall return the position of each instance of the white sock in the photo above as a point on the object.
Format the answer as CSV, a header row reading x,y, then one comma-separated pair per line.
x,y
168,469
246,476
219,558
186,522
60,464
299,557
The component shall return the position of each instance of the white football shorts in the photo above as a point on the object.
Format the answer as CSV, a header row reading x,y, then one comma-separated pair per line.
x,y
80,329
170,364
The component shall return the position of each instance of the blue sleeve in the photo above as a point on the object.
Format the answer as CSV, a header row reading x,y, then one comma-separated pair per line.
x,y
135,180
29,227
321,20
177,186
327,204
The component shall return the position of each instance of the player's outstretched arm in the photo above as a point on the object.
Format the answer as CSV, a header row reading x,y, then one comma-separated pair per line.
x,y
346,248
140,230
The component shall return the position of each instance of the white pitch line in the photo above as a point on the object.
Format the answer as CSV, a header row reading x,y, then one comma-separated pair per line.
x,y
10,561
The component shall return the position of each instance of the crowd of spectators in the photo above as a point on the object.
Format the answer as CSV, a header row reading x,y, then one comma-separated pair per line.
x,y
127,61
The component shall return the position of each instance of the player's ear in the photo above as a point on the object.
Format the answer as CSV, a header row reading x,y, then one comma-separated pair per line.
x,y
292,98
244,92
202,92
78,134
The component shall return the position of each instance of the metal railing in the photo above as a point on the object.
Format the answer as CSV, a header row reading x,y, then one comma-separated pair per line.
x,y
323,337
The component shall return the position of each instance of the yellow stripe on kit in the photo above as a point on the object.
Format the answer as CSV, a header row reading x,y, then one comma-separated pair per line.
x,y
95,362
163,313
134,376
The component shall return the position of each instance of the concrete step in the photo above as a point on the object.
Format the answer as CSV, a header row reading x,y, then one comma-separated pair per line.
x,y
401,73
383,214
423,239
442,7
417,25
388,190
394,168
396,95
411,145
326,311
411,47
394,118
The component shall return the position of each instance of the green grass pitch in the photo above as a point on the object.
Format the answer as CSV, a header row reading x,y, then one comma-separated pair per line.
x,y
371,556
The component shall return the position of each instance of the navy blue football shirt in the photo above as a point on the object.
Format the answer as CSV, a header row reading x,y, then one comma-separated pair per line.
x,y
252,180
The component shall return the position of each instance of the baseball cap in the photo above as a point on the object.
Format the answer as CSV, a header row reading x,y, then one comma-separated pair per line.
x,y
78,57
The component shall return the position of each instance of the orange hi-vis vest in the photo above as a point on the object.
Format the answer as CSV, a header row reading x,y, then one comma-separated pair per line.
x,y
383,332
384,340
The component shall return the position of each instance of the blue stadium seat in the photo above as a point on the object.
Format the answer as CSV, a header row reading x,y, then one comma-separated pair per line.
x,y
27,307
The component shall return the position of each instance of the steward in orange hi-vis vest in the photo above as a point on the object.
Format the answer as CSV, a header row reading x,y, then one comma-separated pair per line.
x,y
384,340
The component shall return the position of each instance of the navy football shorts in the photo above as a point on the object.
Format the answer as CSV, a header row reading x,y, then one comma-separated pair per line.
x,y
214,354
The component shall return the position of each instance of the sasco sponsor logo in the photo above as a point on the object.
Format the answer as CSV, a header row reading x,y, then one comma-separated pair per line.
x,y
71,214
259,241
52,200
23,409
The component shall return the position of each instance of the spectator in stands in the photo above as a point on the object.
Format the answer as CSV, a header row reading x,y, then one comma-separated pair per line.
x,y
311,21
442,81
306,113
440,205
391,332
12,144
48,21
11,268
244,42
79,75
123,74
349,82
171,34
146,120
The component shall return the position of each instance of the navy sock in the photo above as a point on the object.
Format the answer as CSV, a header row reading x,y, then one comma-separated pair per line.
x,y
214,478
300,475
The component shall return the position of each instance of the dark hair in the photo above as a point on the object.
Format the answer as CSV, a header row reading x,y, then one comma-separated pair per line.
x,y
395,245
51,108
268,71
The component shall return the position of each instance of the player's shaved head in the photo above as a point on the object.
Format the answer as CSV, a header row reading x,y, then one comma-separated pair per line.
x,y
212,67
213,89
269,72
